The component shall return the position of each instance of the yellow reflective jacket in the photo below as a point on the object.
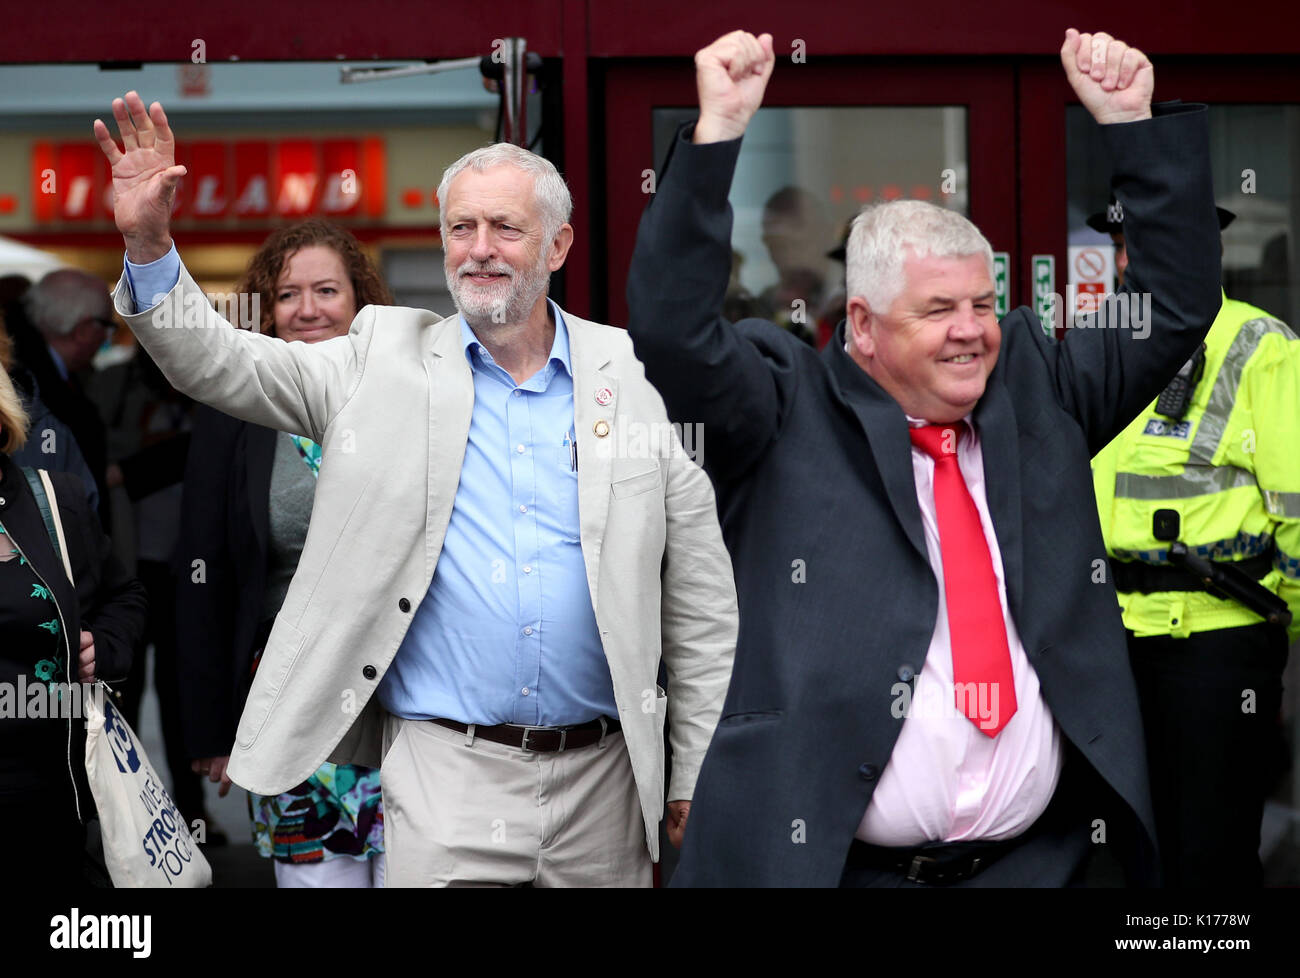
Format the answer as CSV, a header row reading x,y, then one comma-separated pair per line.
x,y
1230,467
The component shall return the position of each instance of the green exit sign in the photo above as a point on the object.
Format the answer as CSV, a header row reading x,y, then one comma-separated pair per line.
x,y
1002,282
1045,298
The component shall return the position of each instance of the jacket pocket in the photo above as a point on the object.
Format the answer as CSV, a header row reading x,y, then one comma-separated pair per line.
x,y
637,484
752,716
277,662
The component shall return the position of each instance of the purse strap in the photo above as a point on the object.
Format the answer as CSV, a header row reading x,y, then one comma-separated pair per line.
x,y
48,504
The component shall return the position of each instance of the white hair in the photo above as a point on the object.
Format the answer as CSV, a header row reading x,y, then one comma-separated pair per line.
x,y
554,202
63,298
882,234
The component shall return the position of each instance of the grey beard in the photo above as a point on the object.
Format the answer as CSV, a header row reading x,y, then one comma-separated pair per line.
x,y
514,308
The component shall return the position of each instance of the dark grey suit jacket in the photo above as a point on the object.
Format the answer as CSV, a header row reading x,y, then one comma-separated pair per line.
x,y
812,462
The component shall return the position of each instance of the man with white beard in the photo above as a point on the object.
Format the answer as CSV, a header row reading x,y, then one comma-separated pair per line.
x,y
486,590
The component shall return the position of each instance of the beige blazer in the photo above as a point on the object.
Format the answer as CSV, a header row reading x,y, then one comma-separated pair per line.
x,y
660,578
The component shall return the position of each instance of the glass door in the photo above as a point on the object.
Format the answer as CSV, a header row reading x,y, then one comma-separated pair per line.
x,y
828,140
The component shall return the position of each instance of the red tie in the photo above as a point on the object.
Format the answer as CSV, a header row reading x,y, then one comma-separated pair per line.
x,y
981,659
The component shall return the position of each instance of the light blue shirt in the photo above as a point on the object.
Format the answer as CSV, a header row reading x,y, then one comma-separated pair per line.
x,y
153,280
506,632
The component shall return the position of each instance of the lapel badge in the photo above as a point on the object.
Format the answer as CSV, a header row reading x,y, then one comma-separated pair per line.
x,y
603,396
601,428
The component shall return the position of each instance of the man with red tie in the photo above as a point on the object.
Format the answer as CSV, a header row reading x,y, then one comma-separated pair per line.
x,y
931,684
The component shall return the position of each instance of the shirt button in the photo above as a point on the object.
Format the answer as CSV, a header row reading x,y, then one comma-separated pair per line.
x,y
868,772
524,691
528,568
528,629
523,509
519,449
404,605
369,672
518,393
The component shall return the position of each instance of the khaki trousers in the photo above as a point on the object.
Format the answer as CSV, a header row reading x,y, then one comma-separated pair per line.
x,y
462,811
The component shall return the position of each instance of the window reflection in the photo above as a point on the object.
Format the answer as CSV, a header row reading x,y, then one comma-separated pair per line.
x,y
804,174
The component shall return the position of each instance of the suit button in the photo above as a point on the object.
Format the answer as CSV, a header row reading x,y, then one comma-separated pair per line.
x,y
868,772
369,672
404,605
906,673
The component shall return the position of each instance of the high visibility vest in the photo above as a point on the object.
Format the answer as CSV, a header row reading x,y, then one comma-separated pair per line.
x,y
1230,468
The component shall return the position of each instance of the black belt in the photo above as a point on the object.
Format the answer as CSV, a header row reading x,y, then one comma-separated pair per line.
x,y
936,864
1154,578
540,738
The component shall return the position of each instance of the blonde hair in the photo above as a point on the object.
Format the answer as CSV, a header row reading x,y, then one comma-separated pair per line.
x,y
13,417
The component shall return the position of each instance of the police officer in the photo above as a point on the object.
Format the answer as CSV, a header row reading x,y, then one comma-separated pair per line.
x,y
1199,501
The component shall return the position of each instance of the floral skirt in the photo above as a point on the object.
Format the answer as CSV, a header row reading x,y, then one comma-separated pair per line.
x,y
334,813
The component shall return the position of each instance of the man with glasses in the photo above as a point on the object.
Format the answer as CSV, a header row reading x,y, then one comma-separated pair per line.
x,y
69,316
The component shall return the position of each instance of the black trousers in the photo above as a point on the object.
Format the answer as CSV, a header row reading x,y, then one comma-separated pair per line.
x,y
160,631
1210,706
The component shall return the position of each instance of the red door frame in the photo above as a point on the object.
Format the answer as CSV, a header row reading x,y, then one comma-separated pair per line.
x,y
986,88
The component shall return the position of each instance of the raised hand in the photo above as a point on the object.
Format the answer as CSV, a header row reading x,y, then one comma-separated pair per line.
x,y
145,176
1112,80
730,76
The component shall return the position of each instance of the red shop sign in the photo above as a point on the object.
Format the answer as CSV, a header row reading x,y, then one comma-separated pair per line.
x,y
248,180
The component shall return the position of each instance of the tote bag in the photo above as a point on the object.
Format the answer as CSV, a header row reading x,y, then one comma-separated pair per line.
x,y
146,841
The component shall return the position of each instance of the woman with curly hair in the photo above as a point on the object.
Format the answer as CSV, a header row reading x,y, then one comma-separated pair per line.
x,y
244,516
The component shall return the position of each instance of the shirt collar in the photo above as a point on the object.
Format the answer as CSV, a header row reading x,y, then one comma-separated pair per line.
x,y
921,422
559,346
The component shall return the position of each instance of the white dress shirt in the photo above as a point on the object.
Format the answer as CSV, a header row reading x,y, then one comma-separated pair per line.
x,y
946,780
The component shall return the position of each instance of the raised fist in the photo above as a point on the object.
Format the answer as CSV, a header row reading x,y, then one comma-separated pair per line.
x,y
730,75
1112,80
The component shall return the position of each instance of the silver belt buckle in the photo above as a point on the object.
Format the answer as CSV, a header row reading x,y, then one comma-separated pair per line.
x,y
564,734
